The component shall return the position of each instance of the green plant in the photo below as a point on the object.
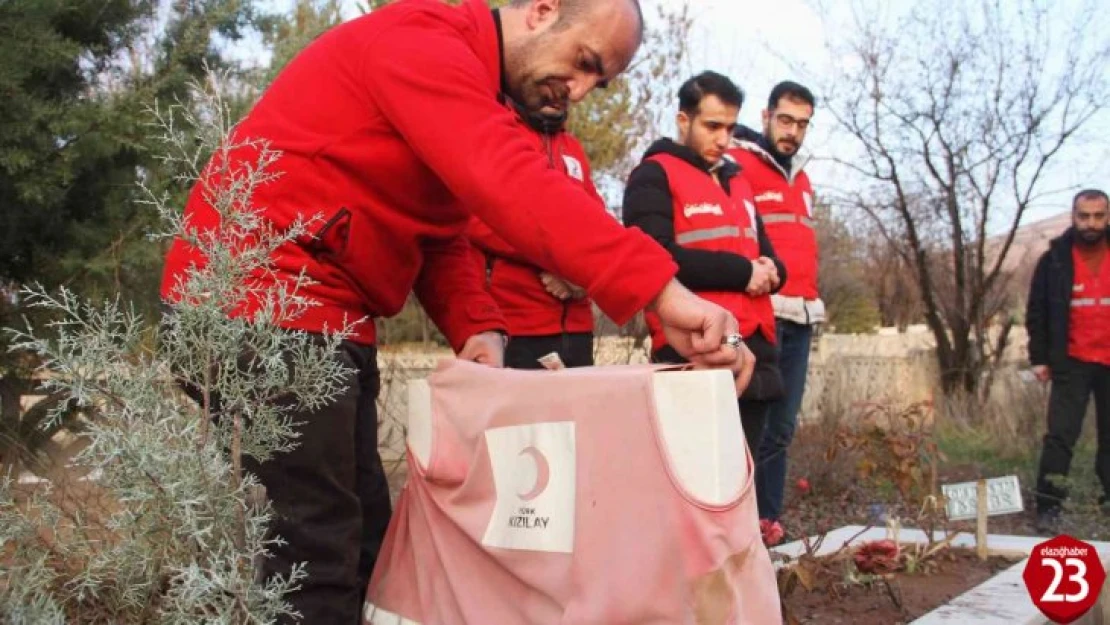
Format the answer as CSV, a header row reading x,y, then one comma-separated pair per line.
x,y
174,529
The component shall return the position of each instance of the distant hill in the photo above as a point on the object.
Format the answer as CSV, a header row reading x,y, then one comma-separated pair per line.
x,y
1031,240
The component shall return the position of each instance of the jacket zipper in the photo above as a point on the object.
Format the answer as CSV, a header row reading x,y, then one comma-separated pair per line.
x,y
547,148
564,335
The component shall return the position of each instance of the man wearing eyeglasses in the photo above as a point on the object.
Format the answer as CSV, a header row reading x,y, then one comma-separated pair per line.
x,y
771,164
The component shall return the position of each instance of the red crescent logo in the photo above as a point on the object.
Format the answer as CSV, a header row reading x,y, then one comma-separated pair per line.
x,y
543,473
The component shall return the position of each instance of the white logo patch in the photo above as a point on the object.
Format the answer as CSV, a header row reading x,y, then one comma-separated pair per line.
x,y
769,196
574,168
809,204
1078,288
702,209
534,478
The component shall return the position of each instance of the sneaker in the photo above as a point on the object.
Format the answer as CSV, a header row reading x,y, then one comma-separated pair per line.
x,y
1048,521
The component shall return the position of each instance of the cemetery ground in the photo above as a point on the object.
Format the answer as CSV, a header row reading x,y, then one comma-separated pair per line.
x,y
884,470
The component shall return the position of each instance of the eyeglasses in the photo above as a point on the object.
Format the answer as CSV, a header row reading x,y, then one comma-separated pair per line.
x,y
789,121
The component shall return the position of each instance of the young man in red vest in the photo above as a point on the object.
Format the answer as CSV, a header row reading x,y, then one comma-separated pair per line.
x,y
391,127
771,164
545,314
689,197
1068,319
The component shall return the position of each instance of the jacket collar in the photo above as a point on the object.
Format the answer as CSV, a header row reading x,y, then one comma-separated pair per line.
x,y
725,169
751,141
1063,243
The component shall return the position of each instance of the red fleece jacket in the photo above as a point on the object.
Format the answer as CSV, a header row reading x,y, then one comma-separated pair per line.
x,y
389,124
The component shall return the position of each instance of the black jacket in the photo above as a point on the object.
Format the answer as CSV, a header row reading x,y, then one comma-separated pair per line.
x,y
1049,306
649,206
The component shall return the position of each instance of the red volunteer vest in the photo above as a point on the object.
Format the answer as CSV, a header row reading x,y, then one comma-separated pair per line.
x,y
1089,323
707,218
787,212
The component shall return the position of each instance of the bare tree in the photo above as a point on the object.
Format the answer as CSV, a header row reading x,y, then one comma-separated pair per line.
x,y
956,114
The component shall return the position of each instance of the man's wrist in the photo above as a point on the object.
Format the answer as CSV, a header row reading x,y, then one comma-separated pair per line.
x,y
668,288
502,334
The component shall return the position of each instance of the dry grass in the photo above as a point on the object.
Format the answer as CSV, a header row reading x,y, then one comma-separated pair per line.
x,y
1011,415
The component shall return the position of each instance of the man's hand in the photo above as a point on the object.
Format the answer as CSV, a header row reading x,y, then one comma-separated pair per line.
x,y
1043,373
747,369
762,275
770,264
486,348
696,329
559,288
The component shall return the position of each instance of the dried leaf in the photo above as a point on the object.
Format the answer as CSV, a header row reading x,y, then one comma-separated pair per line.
x,y
805,576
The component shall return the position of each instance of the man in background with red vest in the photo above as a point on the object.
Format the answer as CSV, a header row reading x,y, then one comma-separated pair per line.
x,y
1068,319
391,128
771,164
689,197
546,315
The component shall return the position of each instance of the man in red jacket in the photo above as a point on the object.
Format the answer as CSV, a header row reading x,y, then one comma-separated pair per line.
x,y
388,125
784,198
545,314
689,197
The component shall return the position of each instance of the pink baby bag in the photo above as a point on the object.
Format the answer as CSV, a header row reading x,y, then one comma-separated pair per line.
x,y
593,496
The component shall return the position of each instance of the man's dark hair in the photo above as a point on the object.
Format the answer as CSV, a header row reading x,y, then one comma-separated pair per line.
x,y
1089,194
708,83
792,90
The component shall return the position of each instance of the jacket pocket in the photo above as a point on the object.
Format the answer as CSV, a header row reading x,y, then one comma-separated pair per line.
x,y
330,240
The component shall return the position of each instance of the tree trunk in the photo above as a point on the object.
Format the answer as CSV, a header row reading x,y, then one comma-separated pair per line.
x,y
959,369
996,358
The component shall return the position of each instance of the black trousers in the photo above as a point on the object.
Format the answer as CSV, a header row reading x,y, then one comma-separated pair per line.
x,y
330,497
766,386
575,348
1072,387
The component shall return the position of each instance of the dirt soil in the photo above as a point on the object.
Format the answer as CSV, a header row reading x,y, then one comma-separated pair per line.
x,y
833,602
